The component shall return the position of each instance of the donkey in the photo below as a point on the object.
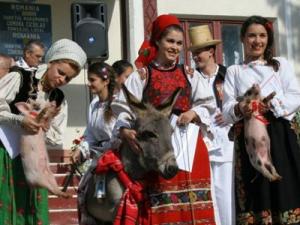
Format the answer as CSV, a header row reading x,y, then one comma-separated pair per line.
x,y
257,140
154,138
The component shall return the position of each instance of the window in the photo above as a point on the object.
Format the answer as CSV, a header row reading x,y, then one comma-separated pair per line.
x,y
229,52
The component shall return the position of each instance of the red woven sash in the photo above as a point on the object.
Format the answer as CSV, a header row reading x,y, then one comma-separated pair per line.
x,y
128,212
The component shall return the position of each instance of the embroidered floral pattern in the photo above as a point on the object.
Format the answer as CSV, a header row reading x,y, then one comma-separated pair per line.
x,y
14,182
162,84
265,217
295,125
240,189
202,221
219,87
180,197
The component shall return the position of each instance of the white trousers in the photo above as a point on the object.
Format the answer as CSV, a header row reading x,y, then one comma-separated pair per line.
x,y
223,192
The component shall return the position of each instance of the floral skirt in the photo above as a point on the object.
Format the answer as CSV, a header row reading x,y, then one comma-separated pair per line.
x,y
259,201
18,204
186,198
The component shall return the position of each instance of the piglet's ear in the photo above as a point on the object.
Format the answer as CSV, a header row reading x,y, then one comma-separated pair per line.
x,y
24,107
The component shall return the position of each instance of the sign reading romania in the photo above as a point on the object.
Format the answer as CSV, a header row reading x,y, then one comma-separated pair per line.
x,y
22,22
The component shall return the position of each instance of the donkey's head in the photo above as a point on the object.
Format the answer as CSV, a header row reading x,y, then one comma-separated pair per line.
x,y
154,135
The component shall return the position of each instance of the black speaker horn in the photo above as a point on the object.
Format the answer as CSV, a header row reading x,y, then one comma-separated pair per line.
x,y
89,28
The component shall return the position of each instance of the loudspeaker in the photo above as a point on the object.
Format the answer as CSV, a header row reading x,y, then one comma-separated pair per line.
x,y
89,28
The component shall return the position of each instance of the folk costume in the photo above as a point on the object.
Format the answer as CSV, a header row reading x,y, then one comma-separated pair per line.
x,y
186,198
221,155
259,201
97,139
220,148
20,204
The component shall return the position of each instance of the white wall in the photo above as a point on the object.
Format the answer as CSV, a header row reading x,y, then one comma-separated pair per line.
x,y
285,13
76,91
135,30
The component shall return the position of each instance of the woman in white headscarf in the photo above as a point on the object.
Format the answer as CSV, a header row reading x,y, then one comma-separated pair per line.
x,y
18,203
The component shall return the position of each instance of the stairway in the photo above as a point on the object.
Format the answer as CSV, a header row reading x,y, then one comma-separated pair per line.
x,y
63,211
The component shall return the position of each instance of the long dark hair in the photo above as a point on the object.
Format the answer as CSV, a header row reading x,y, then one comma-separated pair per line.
x,y
105,72
121,65
268,54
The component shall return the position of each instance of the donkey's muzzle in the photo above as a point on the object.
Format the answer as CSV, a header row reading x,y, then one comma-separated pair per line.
x,y
168,166
170,171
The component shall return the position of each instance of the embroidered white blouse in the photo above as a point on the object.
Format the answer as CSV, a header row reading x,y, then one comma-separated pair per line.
x,y
202,99
240,78
98,134
9,87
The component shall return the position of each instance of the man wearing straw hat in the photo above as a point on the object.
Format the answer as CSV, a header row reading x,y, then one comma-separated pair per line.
x,y
203,48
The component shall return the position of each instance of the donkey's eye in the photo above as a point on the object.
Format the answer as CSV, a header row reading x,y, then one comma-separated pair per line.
x,y
146,135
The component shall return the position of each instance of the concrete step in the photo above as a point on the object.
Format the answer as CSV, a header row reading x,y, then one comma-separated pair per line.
x,y
63,216
63,211
60,167
59,156
63,203
61,179
70,190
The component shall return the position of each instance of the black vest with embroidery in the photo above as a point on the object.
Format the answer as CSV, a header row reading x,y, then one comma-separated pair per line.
x,y
28,88
162,83
218,85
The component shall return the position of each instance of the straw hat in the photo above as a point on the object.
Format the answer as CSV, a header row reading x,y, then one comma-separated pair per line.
x,y
200,37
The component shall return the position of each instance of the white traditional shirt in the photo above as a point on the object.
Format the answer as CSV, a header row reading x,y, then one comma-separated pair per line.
x,y
240,78
221,149
98,134
22,63
9,88
202,99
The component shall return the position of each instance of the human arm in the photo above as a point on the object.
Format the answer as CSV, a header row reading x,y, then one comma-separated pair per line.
x,y
9,88
231,108
122,129
202,99
286,102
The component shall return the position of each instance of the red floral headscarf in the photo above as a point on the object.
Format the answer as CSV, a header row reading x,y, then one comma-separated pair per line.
x,y
148,49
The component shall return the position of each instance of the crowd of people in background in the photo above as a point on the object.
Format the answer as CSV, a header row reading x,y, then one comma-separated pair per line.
x,y
222,187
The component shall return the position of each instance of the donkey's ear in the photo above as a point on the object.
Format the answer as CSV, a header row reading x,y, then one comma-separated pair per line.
x,y
167,105
135,105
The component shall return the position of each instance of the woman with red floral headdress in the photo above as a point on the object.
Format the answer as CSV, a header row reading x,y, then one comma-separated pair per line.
x,y
186,198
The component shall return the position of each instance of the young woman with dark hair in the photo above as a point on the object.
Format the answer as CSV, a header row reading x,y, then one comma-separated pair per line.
x,y
186,198
258,200
123,69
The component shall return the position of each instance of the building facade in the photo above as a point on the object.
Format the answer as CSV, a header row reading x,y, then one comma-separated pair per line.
x,y
129,21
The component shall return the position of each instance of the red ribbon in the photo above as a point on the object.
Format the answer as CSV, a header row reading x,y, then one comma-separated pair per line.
x,y
33,114
257,106
128,212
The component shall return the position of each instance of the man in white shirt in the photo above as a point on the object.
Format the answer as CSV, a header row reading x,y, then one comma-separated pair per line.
x,y
33,54
220,149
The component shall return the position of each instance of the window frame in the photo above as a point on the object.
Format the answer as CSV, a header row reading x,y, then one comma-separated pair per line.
x,y
215,26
